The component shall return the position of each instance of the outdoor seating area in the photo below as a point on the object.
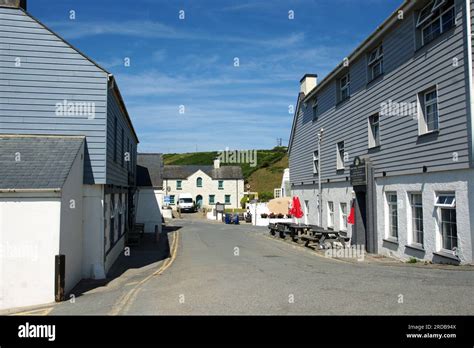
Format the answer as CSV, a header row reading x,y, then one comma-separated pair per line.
x,y
311,235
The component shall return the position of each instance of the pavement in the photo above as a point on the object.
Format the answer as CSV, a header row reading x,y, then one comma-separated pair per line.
x,y
208,268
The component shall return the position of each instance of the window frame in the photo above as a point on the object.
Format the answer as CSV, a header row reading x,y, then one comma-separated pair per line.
x,y
331,216
433,18
172,200
340,163
220,185
414,232
213,201
343,216
115,139
423,114
199,181
373,141
227,201
376,58
315,109
315,162
345,87
440,222
390,222
179,184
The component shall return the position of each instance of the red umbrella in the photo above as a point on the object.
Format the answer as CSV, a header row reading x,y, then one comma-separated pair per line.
x,y
351,217
296,208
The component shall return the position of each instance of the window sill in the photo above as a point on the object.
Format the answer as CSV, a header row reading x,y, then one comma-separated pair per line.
x,y
427,134
391,240
342,102
418,247
374,148
447,254
221,189
372,82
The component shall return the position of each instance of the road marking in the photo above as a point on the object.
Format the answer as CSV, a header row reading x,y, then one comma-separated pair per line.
x,y
41,312
124,303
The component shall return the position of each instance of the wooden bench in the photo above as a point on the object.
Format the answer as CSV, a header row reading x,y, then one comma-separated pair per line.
x,y
308,239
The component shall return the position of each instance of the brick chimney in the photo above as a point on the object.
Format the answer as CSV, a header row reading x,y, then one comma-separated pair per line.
x,y
308,82
13,4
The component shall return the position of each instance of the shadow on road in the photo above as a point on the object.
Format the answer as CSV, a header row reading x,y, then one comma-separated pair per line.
x,y
146,253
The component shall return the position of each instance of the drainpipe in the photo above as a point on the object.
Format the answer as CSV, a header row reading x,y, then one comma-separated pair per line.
x,y
470,79
320,194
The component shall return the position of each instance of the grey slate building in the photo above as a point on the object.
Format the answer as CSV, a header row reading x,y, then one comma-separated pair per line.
x,y
390,129
49,88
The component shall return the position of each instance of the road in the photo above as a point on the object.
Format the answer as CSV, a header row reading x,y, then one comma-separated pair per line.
x,y
224,269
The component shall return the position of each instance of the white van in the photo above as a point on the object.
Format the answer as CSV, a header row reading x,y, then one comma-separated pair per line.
x,y
186,203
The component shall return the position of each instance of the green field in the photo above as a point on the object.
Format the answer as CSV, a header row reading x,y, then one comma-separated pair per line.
x,y
263,177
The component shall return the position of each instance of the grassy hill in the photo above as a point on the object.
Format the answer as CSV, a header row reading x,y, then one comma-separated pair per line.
x,y
263,178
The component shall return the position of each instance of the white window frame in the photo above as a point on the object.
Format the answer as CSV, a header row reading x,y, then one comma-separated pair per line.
x,y
374,141
219,186
179,184
376,57
343,216
420,22
345,87
390,224
412,237
439,18
315,162
439,207
331,215
422,111
340,164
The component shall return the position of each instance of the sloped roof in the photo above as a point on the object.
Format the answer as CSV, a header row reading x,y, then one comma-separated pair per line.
x,y
183,172
150,170
36,162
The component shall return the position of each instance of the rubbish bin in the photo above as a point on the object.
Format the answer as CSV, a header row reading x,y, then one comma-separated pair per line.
x,y
236,219
227,219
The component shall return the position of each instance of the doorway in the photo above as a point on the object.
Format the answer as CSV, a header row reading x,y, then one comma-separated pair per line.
x,y
199,201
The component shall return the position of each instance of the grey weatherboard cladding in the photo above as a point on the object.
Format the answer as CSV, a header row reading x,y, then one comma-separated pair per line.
x,y
51,71
407,73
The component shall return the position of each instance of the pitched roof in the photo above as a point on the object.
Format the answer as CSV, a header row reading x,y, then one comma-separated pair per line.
x,y
150,170
36,162
183,172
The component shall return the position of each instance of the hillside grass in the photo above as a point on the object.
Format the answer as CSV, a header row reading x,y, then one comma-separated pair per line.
x,y
263,177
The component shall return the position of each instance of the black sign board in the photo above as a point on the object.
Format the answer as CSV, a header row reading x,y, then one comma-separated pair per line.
x,y
358,172
220,208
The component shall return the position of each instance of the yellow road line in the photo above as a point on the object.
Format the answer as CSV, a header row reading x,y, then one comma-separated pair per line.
x,y
126,300
41,312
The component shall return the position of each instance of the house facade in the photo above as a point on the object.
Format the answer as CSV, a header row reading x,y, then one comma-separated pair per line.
x,y
390,131
149,194
49,88
207,184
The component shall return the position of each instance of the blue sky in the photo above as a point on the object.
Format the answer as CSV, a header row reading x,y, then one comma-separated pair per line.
x,y
190,62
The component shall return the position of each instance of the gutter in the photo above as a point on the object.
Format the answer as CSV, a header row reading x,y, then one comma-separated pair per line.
x,y
56,190
470,79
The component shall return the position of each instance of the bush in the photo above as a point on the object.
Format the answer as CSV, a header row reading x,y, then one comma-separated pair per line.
x,y
264,216
265,196
243,201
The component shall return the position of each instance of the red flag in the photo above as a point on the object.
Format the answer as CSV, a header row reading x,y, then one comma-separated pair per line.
x,y
351,217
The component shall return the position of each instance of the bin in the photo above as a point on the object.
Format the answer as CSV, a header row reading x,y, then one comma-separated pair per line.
x,y
227,218
236,219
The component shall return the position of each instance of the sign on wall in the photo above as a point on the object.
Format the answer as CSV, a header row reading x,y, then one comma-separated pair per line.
x,y
358,172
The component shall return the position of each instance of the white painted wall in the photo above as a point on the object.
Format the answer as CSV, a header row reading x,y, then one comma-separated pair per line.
x,y
333,192
93,224
461,182
29,241
72,233
234,188
149,208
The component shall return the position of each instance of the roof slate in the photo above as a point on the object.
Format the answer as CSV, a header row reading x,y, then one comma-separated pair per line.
x,y
36,162
150,170
183,172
